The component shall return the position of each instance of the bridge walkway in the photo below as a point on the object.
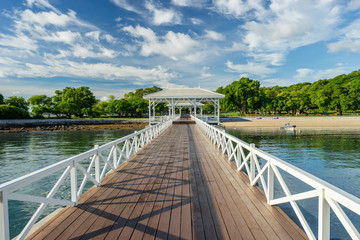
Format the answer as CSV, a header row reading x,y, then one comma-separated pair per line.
x,y
178,187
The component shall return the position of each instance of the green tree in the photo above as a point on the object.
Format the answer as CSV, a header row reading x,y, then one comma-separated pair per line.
x,y
242,95
74,101
1,99
12,112
19,102
40,104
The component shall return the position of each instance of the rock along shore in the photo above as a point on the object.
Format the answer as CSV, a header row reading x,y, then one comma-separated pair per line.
x,y
26,125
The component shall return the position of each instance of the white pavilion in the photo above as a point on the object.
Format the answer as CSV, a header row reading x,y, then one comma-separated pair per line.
x,y
192,98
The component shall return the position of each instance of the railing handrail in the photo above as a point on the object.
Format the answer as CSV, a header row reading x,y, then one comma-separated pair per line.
x,y
132,143
327,192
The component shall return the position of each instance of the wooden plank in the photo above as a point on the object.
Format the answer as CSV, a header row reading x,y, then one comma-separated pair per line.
x,y
186,220
213,224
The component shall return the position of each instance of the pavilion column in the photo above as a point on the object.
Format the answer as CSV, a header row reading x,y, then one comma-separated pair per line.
x,y
195,109
154,111
172,108
218,111
214,110
201,112
150,112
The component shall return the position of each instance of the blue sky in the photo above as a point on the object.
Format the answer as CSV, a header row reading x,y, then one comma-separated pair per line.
x,y
117,46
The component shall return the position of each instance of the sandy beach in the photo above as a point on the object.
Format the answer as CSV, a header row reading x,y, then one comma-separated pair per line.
x,y
300,122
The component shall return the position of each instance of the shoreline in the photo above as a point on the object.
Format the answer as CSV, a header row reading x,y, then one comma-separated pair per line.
x,y
76,127
300,122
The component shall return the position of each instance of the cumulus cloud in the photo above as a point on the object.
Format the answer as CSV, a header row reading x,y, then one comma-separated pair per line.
x,y
205,72
172,45
292,24
349,39
126,5
64,68
189,3
311,75
214,35
238,8
41,4
250,68
67,37
196,21
163,16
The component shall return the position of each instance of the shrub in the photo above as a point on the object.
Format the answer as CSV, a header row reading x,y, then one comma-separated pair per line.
x,y
12,112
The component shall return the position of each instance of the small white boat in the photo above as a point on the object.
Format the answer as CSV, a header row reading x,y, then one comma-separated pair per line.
x,y
288,127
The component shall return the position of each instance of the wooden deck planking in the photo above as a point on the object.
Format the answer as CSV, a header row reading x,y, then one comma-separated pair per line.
x,y
178,187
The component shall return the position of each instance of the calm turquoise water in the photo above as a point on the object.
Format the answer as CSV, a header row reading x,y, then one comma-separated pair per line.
x,y
332,155
22,153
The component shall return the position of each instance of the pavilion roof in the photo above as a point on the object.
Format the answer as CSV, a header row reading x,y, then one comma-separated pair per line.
x,y
187,104
181,93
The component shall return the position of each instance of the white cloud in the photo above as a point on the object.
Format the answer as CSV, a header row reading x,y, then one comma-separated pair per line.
x,y
163,16
63,36
270,33
250,68
311,75
353,5
189,3
88,51
52,67
109,38
205,73
214,35
41,4
52,18
95,35
124,4
20,41
172,45
349,40
196,21
238,8
292,24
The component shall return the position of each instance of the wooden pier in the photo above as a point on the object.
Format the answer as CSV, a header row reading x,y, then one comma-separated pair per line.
x,y
178,187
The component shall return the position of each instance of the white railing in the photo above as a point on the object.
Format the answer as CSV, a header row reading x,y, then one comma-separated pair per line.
x,y
93,165
246,157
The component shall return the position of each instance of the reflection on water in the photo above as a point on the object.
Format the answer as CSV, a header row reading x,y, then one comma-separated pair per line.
x,y
22,153
332,155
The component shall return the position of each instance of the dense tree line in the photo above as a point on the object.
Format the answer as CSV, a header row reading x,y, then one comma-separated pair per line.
x,y
338,94
78,102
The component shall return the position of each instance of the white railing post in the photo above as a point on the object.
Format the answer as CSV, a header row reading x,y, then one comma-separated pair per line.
x,y
97,165
115,156
324,217
136,143
73,180
252,163
270,182
127,149
4,217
